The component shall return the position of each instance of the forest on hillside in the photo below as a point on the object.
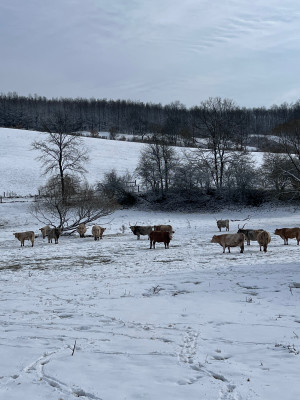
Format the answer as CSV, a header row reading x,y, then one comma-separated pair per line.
x,y
175,121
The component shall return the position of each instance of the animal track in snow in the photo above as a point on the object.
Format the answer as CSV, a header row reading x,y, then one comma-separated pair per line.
x,y
189,346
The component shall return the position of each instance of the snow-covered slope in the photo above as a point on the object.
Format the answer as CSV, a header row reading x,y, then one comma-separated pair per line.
x,y
188,322
21,172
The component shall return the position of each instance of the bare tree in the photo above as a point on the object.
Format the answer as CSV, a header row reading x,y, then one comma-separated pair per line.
x,y
274,174
81,204
215,120
289,138
156,166
62,152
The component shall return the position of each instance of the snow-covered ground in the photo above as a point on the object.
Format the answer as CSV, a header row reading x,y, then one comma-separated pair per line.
x,y
188,322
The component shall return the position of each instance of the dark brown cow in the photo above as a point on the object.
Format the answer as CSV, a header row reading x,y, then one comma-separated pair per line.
x,y
54,233
288,233
160,237
164,228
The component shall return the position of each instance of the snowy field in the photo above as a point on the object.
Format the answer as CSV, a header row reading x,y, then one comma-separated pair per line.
x,y
188,322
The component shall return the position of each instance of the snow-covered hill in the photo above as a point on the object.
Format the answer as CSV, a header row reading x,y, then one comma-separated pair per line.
x,y
21,172
188,322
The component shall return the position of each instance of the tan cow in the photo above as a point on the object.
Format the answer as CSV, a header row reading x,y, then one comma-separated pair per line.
x,y
223,223
139,230
45,230
81,229
263,238
288,233
229,240
97,232
21,236
161,237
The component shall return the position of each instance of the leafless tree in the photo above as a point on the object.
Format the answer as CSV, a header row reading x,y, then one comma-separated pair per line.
x,y
62,152
81,204
156,166
215,119
289,137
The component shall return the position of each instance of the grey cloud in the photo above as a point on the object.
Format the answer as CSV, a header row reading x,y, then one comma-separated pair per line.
x,y
159,50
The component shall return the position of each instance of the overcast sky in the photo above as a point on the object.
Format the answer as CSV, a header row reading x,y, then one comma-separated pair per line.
x,y
155,51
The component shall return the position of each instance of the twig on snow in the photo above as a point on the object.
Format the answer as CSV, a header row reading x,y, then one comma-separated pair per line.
x,y
74,348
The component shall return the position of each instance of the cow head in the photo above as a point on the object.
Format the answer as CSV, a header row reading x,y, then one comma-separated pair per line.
x,y
214,239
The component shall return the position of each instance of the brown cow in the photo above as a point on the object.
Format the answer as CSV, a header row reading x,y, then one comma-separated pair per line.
x,y
230,240
97,232
288,233
164,228
161,237
263,238
81,229
21,236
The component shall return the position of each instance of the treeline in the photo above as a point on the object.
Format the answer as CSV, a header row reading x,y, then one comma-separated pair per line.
x,y
137,118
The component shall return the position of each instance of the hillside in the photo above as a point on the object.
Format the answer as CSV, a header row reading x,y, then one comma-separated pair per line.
x,y
21,172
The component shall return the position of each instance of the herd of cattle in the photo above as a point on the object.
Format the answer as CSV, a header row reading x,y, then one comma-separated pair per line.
x,y
164,234
260,235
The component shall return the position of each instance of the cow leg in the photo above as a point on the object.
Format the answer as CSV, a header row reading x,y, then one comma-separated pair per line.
x,y
150,244
228,249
